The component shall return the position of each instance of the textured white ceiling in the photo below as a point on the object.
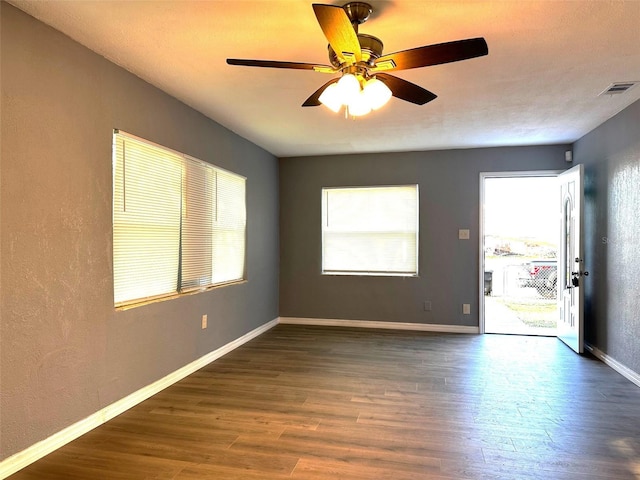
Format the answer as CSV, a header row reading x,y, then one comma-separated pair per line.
x,y
548,61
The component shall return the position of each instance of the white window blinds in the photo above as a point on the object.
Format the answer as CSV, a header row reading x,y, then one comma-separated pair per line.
x,y
213,226
370,230
228,228
146,221
167,209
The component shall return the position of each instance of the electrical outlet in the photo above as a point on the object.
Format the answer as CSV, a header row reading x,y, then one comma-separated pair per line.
x,y
427,306
204,321
466,308
463,234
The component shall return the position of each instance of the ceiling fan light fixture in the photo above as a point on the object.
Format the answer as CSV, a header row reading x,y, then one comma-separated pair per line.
x,y
377,93
358,95
348,92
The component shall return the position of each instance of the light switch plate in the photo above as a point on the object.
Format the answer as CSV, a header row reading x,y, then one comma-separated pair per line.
x,y
463,234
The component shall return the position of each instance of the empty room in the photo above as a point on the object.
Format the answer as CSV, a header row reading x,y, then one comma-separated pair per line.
x,y
270,239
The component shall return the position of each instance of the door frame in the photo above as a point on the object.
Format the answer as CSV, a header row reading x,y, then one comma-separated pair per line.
x,y
483,176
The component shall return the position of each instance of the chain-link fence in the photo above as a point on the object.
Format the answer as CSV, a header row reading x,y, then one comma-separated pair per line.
x,y
525,279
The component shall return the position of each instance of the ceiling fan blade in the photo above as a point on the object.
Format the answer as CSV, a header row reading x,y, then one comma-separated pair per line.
x,y
277,64
433,54
341,35
314,100
405,90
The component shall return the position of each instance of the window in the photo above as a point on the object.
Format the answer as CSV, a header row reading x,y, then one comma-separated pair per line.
x,y
178,223
370,230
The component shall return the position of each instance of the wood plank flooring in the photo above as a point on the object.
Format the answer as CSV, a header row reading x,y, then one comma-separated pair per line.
x,y
334,403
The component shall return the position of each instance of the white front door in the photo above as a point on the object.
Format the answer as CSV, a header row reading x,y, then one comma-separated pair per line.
x,y
571,274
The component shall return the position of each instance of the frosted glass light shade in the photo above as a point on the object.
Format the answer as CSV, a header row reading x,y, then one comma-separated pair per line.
x,y
358,100
359,105
331,98
377,93
348,87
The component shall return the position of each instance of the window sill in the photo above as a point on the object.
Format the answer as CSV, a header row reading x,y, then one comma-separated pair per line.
x,y
173,296
369,274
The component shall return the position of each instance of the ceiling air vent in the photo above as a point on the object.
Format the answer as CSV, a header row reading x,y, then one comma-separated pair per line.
x,y
618,88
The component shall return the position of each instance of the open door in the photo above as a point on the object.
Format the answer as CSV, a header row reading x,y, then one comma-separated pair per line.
x,y
571,263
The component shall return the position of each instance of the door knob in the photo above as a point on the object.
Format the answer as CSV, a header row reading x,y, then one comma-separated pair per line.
x,y
575,278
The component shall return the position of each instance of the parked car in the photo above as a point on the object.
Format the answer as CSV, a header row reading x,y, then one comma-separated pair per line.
x,y
541,275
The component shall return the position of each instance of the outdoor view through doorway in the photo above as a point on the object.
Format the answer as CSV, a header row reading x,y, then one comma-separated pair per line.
x,y
520,252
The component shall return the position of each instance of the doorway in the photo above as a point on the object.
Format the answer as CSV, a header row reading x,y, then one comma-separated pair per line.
x,y
519,253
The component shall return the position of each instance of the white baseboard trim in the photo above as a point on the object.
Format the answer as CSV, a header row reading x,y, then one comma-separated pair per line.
x,y
422,327
18,461
613,363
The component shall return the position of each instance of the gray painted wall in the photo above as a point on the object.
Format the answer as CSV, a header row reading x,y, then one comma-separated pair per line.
x,y
65,352
611,155
449,200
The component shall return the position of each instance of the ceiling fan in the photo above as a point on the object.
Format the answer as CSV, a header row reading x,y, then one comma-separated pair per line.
x,y
363,84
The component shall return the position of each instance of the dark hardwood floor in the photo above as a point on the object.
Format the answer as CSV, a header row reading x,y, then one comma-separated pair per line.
x,y
333,403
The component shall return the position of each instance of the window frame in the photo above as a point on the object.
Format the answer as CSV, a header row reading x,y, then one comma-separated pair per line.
x,y
414,272
184,164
